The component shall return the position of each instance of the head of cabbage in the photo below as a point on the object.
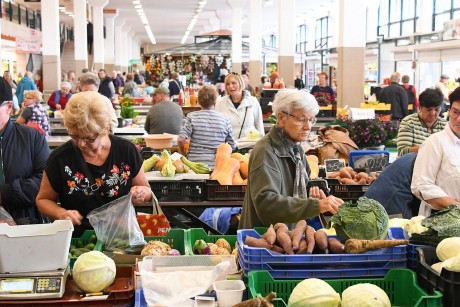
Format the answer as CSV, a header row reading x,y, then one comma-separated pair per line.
x,y
313,292
93,271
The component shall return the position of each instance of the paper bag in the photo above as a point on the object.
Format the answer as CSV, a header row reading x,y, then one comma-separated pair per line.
x,y
155,224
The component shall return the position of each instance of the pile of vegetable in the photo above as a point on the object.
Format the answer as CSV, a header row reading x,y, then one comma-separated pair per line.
x,y
448,252
258,301
158,248
346,175
79,248
230,168
367,220
169,168
313,292
221,247
93,271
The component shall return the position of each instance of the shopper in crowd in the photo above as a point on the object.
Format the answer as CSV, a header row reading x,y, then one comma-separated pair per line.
x,y
9,79
415,128
175,86
39,82
90,82
395,95
19,77
243,109
206,129
137,78
16,108
298,83
91,169
34,112
164,116
165,83
324,94
248,87
412,98
24,151
106,87
278,171
436,175
275,80
392,188
148,89
130,88
441,85
263,80
72,80
117,81
26,84
59,98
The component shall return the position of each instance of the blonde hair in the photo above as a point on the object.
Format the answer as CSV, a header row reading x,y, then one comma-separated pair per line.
x,y
237,78
87,113
35,95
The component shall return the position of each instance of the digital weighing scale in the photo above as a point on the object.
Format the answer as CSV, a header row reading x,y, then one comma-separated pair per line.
x,y
35,285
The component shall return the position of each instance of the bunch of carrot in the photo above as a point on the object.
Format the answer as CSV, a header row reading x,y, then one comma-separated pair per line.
x,y
303,239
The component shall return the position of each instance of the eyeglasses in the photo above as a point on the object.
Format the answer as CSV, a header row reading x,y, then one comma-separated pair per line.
x,y
89,140
454,113
303,121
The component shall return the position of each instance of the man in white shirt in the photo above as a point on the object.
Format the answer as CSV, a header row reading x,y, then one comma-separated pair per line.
x,y
436,177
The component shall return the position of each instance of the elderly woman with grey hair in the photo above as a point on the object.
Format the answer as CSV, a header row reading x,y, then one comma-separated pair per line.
x,y
278,171
59,98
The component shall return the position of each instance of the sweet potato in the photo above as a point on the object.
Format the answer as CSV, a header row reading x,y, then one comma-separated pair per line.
x,y
310,237
355,246
256,242
297,233
334,246
302,247
278,249
347,181
283,238
333,175
270,235
344,173
320,242
362,175
362,181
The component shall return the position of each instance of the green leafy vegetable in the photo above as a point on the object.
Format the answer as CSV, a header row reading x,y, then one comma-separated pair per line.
x,y
366,220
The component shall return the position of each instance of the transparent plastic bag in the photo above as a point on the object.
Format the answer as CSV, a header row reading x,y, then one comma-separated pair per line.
x,y
5,217
116,225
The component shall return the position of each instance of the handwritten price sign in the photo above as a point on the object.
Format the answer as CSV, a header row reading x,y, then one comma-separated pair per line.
x,y
334,165
377,164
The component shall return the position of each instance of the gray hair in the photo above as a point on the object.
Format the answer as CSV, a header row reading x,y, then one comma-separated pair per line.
x,y
66,85
89,78
288,100
395,77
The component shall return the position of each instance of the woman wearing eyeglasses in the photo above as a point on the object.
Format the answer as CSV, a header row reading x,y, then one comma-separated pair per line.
x,y
91,169
436,177
243,109
278,172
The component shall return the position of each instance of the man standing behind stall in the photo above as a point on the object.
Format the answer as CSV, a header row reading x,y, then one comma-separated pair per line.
x,y
23,154
395,95
164,116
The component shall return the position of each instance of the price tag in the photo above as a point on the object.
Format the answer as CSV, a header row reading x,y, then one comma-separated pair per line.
x,y
334,165
377,164
357,114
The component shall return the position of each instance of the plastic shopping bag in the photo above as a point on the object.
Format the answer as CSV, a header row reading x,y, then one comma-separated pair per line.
x,y
115,224
5,217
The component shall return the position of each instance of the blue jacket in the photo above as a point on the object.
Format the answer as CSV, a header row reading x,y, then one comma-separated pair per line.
x,y
26,84
24,153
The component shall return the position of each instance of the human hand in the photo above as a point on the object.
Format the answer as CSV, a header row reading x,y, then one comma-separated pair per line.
x,y
58,106
140,194
330,204
72,215
316,192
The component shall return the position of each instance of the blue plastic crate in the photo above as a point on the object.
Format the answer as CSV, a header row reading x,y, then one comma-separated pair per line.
x,y
139,299
398,233
356,157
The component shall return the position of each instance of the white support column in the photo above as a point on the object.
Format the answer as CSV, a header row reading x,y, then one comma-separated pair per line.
x,y
51,56
286,39
119,45
98,23
255,42
110,41
237,33
125,40
224,16
80,36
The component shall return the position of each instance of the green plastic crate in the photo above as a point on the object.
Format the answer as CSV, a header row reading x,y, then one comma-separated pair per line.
x,y
399,284
193,234
85,239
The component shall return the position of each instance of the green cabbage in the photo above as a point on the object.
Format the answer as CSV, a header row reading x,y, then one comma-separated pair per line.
x,y
365,295
366,220
313,292
448,248
94,271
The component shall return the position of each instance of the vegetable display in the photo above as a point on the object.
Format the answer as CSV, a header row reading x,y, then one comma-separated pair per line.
x,y
367,220
258,301
354,246
221,247
313,292
93,271
230,168
365,295
346,175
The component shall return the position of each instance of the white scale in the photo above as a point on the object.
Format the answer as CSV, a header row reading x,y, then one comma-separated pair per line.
x,y
34,285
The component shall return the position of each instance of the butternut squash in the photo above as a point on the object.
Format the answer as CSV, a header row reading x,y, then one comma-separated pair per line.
x,y
229,169
219,163
237,179
224,148
244,164
245,181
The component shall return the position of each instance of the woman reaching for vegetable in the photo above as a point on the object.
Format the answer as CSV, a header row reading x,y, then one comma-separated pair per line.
x,y
278,172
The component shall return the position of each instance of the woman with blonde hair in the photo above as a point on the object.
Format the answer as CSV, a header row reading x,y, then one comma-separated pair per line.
x,y
34,112
243,109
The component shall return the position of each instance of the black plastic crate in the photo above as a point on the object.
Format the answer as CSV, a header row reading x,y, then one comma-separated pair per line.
x,y
327,113
264,104
448,282
183,190
216,191
147,152
347,192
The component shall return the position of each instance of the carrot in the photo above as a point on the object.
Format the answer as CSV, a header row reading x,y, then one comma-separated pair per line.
x,y
310,237
270,235
320,242
256,242
334,246
283,238
355,246
277,249
297,233
302,247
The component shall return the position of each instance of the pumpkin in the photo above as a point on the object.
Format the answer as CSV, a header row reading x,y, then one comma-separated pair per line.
x,y
244,164
225,176
219,163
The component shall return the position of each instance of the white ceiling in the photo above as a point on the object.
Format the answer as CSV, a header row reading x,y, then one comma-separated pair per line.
x,y
169,19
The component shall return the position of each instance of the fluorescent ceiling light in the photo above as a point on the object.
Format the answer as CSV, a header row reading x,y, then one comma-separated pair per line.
x,y
139,10
137,2
138,6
